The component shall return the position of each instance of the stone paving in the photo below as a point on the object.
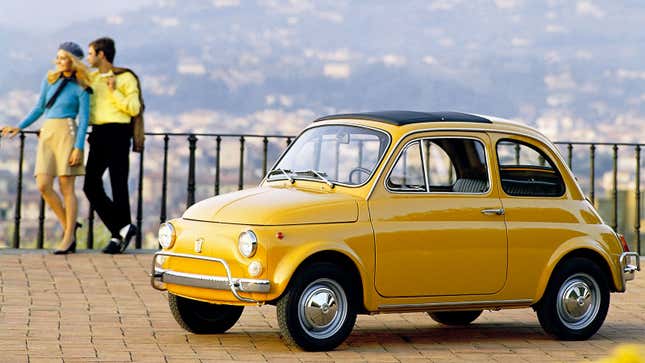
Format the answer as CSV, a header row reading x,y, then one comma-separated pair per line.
x,y
91,307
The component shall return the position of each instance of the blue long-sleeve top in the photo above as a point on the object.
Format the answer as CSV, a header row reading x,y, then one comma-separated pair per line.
x,y
73,101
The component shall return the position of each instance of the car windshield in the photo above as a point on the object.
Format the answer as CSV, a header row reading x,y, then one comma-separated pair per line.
x,y
333,154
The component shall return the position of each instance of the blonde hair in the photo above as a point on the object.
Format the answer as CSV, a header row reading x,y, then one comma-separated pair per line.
x,y
79,69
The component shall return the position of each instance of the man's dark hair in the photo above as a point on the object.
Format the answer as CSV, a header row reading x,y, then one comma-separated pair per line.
x,y
105,45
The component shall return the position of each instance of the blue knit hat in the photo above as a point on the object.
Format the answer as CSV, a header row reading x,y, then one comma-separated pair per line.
x,y
72,48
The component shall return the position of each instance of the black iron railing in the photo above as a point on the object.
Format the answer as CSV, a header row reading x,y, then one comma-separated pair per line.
x,y
615,147
283,140
192,139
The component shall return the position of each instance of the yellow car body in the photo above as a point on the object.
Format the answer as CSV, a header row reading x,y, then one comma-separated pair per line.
x,y
413,250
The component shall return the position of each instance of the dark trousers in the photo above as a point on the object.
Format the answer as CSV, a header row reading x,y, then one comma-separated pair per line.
x,y
109,149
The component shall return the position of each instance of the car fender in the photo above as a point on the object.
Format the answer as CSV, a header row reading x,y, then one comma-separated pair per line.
x,y
290,262
575,244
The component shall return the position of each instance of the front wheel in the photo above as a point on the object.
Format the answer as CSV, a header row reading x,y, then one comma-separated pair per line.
x,y
576,301
455,317
318,311
203,318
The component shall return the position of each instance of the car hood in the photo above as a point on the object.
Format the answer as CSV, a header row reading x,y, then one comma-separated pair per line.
x,y
276,206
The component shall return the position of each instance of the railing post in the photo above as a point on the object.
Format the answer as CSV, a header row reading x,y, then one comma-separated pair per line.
x,y
90,229
192,145
637,225
592,173
570,156
16,231
517,154
288,141
41,225
240,183
265,150
614,214
164,180
218,153
140,202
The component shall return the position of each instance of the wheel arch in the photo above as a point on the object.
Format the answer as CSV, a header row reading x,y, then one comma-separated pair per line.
x,y
601,259
332,256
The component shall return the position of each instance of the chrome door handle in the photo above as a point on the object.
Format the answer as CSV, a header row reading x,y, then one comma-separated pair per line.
x,y
489,212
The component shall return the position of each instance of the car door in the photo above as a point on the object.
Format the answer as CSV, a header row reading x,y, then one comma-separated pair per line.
x,y
540,212
438,222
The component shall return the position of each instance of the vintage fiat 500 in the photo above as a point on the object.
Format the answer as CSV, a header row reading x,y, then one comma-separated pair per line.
x,y
398,211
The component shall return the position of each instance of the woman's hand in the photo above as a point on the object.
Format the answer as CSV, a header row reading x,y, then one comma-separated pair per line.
x,y
75,157
10,131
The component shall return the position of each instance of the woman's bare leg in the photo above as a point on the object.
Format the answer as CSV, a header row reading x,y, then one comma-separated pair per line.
x,y
67,188
45,186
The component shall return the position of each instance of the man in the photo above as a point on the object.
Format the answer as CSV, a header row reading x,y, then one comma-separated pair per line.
x,y
116,99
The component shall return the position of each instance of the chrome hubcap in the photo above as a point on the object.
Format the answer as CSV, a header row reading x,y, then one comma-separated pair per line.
x,y
578,301
322,308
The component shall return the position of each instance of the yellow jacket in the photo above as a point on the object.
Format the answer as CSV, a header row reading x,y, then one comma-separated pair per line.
x,y
117,106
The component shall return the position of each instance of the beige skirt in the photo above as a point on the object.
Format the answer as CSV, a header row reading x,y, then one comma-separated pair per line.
x,y
55,144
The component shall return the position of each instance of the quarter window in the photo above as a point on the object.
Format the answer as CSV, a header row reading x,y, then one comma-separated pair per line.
x,y
407,174
527,171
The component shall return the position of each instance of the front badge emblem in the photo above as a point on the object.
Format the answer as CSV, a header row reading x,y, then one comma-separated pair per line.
x,y
198,245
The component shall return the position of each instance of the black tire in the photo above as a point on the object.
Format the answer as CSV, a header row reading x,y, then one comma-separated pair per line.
x,y
576,300
203,318
327,290
455,317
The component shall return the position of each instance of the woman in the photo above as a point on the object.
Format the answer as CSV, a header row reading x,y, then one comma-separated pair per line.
x,y
64,95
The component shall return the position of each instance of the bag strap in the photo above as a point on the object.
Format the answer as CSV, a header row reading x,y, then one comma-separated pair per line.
x,y
62,85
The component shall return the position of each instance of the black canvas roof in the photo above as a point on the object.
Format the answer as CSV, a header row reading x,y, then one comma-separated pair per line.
x,y
409,117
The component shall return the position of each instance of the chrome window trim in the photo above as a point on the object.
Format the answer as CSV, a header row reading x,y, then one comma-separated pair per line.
x,y
542,139
398,158
428,192
355,124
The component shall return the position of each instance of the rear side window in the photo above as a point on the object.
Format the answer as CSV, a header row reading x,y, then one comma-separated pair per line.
x,y
526,171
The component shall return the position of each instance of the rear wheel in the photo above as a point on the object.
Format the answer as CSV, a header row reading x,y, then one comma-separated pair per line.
x,y
203,318
576,301
318,311
455,317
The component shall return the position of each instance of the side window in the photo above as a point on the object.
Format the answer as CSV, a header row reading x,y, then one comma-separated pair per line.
x,y
527,171
450,165
407,174
456,165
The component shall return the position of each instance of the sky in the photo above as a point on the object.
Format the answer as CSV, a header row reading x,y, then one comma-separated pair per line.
x,y
52,15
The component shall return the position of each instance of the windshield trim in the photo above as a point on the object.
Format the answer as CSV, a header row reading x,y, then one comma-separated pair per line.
x,y
336,183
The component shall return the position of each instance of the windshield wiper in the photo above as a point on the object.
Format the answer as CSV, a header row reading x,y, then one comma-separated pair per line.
x,y
319,175
286,173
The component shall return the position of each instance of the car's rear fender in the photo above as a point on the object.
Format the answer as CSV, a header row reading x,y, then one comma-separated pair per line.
x,y
581,247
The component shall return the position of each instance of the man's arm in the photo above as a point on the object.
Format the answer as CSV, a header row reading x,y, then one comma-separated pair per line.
x,y
125,96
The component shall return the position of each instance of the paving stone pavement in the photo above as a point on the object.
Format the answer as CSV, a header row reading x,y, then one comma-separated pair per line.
x,y
91,307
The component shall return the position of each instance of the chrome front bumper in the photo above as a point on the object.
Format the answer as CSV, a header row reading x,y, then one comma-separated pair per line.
x,y
630,262
232,284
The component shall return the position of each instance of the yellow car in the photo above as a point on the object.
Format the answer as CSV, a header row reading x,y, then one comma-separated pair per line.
x,y
398,211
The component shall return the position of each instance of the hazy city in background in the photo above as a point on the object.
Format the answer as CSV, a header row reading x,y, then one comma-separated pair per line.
x,y
572,68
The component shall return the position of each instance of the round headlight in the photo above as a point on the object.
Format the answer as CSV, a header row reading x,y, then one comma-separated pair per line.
x,y
166,235
247,243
